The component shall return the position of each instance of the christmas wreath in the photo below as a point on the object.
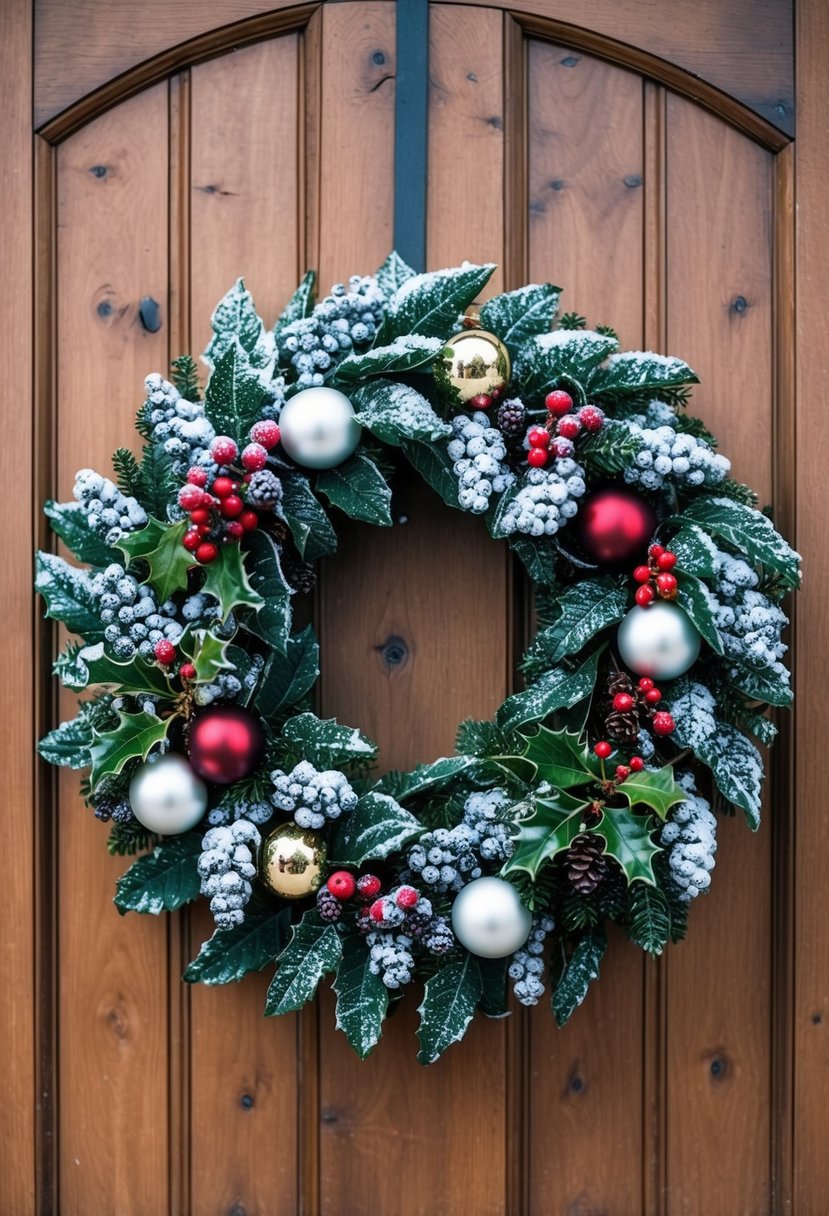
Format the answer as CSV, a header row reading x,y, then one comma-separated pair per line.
x,y
657,589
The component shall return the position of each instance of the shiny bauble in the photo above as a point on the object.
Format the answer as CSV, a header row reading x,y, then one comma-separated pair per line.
x,y
291,862
489,918
473,363
167,797
225,744
317,428
615,526
658,641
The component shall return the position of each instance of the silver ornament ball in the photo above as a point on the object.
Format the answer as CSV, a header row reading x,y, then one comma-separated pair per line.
x,y
658,641
318,429
489,918
167,797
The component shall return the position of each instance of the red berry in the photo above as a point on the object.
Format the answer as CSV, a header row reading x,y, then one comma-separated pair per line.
x,y
406,897
342,884
653,696
187,671
376,910
164,651
197,476
537,457
191,538
561,448
207,552
482,401
249,520
666,586
646,684
254,457
591,418
222,486
190,496
644,595
568,426
642,574
663,723
602,750
637,764
265,432
538,437
232,506
204,529
223,449
234,529
200,516
623,702
558,402
666,560
368,886
497,393
622,771
656,551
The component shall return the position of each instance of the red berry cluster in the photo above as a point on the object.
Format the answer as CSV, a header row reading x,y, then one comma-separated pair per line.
x,y
655,579
646,695
603,750
567,424
217,508
166,654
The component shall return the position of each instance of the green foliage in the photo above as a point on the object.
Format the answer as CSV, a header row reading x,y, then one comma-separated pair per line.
x,y
701,606
164,880
68,595
610,450
324,742
362,997
301,303
185,377
426,777
435,467
288,676
127,839
159,546
640,372
450,998
405,355
95,668
70,522
233,398
393,274
267,589
231,954
484,739
133,739
584,611
649,918
556,756
565,358
429,304
560,688
655,789
377,827
127,472
696,553
359,489
235,319
68,744
578,972
550,828
310,526
314,950
518,316
628,840
159,483
395,412
573,320
749,531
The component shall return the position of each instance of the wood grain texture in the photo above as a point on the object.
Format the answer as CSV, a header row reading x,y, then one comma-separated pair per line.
x,y
17,994
111,251
719,287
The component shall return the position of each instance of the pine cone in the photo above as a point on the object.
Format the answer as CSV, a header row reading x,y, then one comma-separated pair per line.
x,y
585,863
619,681
621,727
301,575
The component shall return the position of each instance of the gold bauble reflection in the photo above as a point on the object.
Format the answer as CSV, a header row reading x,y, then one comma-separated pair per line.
x,y
471,363
291,862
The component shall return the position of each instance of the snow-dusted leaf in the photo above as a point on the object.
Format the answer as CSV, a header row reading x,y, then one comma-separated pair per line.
x,y
310,527
132,739
557,689
70,522
377,827
68,744
70,668
434,465
430,303
313,951
538,555
637,371
518,316
408,352
565,356
450,999
235,319
581,968
760,682
164,880
393,274
301,303
395,412
233,397
272,621
362,997
288,677
495,520
694,597
231,954
749,531
359,489
68,595
693,709
425,776
586,610
324,742
695,551
136,676
737,767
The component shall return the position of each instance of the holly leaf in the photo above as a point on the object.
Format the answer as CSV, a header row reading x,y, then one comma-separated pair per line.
x,y
425,777
551,828
68,595
655,789
68,744
288,677
638,371
749,531
556,689
556,756
234,318
395,412
450,999
362,997
208,654
359,489
434,465
231,954
701,606
649,918
135,677
233,397
70,522
132,739
314,950
585,610
310,526
565,356
518,316
325,743
407,353
627,839
695,551
271,590
538,555
164,880
301,303
580,969
70,668
429,303
227,580
159,545
377,827
393,274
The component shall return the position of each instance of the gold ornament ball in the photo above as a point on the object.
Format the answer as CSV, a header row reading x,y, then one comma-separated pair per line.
x,y
472,363
292,861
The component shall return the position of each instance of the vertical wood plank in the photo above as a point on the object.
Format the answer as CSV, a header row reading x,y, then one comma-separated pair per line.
x,y
112,251
586,215
719,318
244,220
17,996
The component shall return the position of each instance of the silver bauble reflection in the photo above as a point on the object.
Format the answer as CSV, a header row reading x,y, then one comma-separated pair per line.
x,y
317,428
658,641
167,797
489,918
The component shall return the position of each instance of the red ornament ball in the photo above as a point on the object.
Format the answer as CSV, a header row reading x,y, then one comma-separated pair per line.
x,y
615,526
342,884
225,744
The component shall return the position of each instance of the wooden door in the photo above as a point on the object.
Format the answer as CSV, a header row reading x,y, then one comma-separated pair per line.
x,y
641,169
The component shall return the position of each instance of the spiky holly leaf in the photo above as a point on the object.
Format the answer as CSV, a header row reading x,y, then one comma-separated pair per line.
x,y
231,954
557,756
359,489
697,601
430,303
227,580
300,305
749,531
393,274
649,918
323,742
271,588
132,739
315,949
164,880
585,610
637,371
395,412
208,654
551,827
579,971
518,316
628,839
233,397
310,526
159,545
70,522
135,677
557,689
377,827
362,997
288,677
450,999
655,789
410,351
68,595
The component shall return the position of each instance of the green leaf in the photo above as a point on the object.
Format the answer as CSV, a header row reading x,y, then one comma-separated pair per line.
x,y
450,999
701,606
233,398
610,450
68,595
231,954
310,526
68,744
300,305
159,545
476,738
270,588
359,489
313,951
518,316
410,351
585,610
565,356
234,318
493,1002
132,739
135,677
288,677
495,521
426,776
737,767
70,668
393,274
637,371
581,968
377,827
628,839
164,880
558,689
749,532
695,551
538,555
551,828
434,465
429,304
556,756
656,789
395,412
70,522
324,742
227,580
760,683
650,918
362,997
208,654
127,471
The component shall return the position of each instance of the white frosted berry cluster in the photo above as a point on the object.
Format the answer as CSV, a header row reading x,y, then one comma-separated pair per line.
x,y
390,956
108,512
547,499
344,322
311,796
446,859
749,623
479,452
690,836
402,918
133,620
178,425
668,455
226,865
526,966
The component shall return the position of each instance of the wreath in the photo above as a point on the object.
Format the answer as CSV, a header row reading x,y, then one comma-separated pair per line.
x,y
657,589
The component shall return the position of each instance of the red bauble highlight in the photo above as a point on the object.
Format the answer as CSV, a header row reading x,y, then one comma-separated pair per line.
x,y
615,526
225,744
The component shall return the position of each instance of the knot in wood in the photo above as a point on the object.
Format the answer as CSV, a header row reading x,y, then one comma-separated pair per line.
x,y
394,651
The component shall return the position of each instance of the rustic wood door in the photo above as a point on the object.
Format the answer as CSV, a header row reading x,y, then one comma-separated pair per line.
x,y
649,170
